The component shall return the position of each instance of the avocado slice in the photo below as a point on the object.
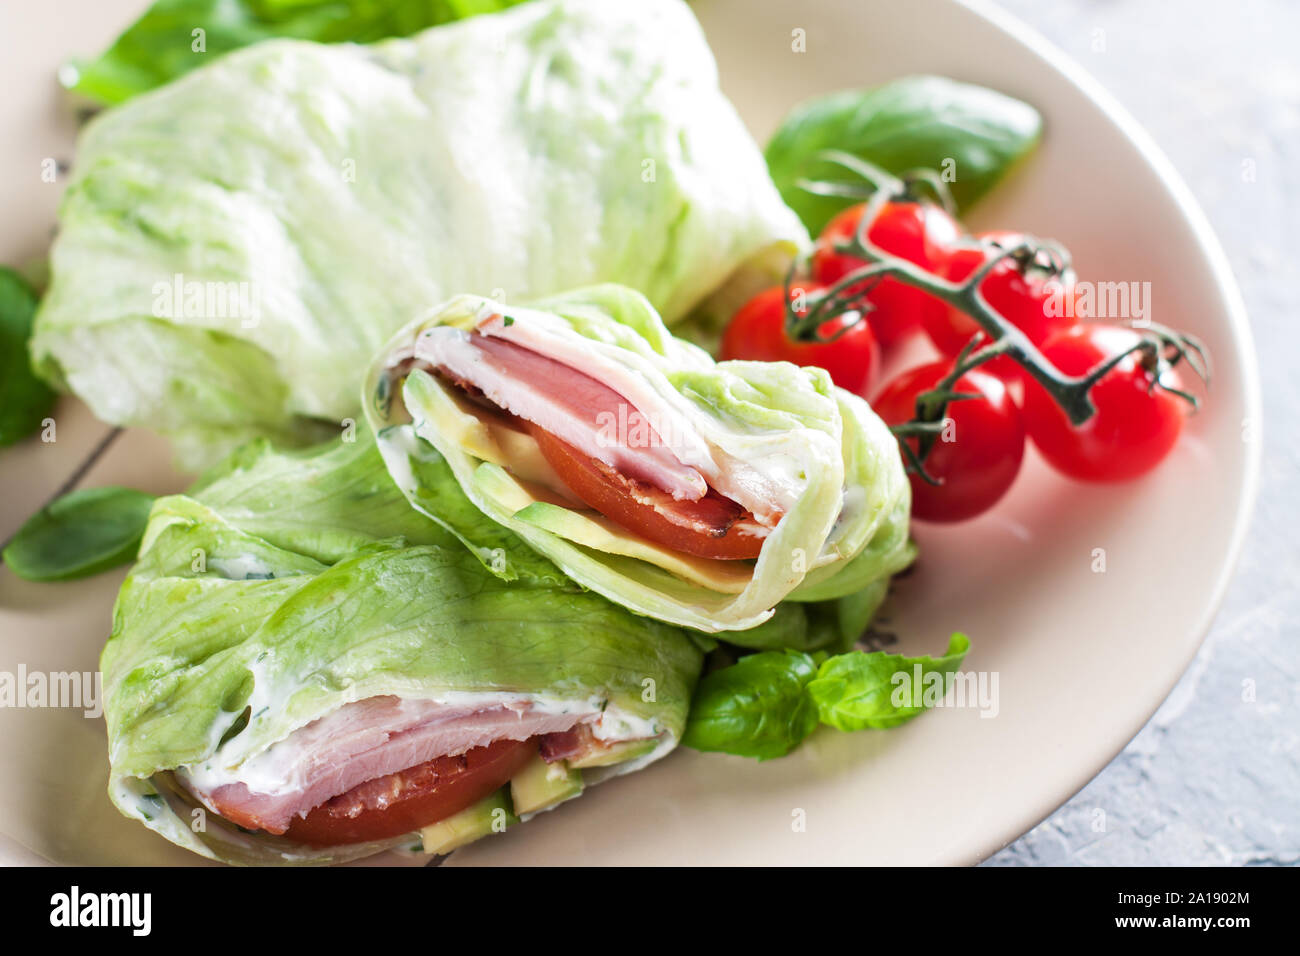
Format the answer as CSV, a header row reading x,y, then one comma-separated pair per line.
x,y
595,531
540,786
492,814
615,753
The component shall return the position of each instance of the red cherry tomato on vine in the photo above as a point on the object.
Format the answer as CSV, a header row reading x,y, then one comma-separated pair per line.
x,y
979,456
757,332
919,232
1134,427
1034,301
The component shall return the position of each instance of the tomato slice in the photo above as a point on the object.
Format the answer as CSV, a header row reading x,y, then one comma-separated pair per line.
x,y
413,798
713,527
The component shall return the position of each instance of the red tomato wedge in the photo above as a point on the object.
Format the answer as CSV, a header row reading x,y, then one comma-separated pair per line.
x,y
413,798
711,527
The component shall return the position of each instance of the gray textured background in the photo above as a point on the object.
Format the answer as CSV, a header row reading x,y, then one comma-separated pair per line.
x,y
1214,778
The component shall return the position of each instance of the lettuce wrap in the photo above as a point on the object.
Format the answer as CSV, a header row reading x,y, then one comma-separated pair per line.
x,y
234,246
296,641
696,492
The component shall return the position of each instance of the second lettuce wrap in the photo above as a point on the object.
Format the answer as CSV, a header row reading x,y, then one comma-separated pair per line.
x,y
292,618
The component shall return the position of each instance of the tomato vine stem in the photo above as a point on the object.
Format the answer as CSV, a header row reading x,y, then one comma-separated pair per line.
x,y
1161,348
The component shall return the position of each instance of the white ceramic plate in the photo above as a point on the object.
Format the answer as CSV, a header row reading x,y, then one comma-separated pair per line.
x,y
1082,658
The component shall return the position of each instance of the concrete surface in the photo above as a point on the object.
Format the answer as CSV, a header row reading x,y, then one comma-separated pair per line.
x,y
1214,777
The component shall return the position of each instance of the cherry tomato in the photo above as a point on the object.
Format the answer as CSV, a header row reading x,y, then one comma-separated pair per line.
x,y
980,458
1134,426
713,527
1034,301
919,232
413,798
757,332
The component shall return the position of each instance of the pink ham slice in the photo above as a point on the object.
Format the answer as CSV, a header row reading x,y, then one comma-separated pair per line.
x,y
362,741
569,404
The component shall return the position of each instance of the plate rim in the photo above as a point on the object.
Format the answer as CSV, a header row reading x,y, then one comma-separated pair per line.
x,y
1234,314
1052,57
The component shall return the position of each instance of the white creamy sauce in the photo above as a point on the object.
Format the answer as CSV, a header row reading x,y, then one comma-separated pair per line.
x,y
242,567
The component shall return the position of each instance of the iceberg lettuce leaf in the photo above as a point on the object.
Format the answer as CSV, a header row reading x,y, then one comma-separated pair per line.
x,y
221,274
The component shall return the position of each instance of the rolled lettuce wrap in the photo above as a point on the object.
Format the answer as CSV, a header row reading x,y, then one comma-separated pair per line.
x,y
234,247
700,493
303,669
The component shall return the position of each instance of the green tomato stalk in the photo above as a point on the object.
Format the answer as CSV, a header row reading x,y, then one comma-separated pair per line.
x,y
1161,348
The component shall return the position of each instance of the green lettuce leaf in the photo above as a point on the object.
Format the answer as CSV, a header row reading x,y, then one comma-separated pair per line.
x,y
222,274
431,487
163,44
969,134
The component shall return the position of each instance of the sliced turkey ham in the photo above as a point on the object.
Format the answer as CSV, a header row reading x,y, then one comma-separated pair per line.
x,y
569,404
598,406
360,742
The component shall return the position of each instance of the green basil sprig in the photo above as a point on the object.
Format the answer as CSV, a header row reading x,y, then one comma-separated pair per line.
x,y
878,690
24,399
756,707
970,135
80,534
765,704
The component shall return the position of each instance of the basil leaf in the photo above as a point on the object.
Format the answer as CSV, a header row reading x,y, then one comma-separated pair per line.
x,y
24,399
859,690
165,41
754,708
915,122
80,534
